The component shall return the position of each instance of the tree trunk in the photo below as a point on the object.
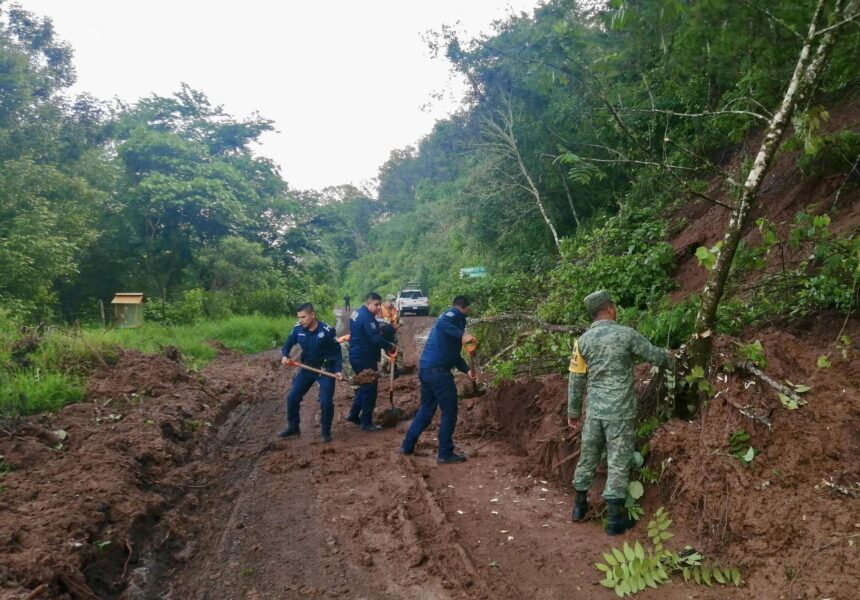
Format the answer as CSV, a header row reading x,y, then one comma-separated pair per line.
x,y
504,142
536,195
806,73
568,194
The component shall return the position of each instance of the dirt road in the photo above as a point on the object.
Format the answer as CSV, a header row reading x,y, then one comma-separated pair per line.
x,y
355,519
168,484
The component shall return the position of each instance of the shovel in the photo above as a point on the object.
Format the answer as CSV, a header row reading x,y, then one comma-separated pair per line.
x,y
471,347
295,363
392,415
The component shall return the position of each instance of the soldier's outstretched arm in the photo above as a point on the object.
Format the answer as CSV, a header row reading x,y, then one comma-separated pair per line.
x,y
641,347
575,393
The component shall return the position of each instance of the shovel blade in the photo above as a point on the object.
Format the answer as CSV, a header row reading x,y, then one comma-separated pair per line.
x,y
391,417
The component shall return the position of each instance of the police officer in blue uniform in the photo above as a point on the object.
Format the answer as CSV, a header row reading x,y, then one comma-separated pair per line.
x,y
320,350
365,343
440,355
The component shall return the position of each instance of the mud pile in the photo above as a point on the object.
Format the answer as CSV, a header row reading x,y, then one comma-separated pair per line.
x,y
791,514
88,488
530,415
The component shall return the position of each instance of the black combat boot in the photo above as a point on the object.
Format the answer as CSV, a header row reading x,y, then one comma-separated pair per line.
x,y
580,507
290,431
451,459
618,521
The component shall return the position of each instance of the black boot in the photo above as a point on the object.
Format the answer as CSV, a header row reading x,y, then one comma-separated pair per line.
x,y
618,521
580,507
290,431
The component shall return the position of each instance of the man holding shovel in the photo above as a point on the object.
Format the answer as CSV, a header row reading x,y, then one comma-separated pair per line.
x,y
440,355
320,352
364,346
603,359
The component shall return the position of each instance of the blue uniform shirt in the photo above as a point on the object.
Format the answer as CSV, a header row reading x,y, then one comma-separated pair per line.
x,y
365,342
318,346
445,343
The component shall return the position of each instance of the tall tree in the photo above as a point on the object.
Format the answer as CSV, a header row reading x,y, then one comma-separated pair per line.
x,y
824,28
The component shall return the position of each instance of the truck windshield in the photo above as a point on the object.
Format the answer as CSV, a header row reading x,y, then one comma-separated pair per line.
x,y
411,294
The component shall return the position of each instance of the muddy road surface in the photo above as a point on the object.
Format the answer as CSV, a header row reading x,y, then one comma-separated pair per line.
x,y
355,519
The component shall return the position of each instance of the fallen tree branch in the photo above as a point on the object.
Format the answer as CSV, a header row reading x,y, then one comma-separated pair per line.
x,y
37,592
842,490
779,387
745,411
502,317
716,113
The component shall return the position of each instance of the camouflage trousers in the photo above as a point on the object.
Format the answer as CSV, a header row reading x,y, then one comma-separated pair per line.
x,y
617,438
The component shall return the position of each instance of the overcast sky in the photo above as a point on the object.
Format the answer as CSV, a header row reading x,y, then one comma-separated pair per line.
x,y
345,81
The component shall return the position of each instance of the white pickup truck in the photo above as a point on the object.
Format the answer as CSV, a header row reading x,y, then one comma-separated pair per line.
x,y
410,299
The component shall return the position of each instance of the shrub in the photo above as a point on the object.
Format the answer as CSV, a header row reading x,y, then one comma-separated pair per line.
x,y
625,254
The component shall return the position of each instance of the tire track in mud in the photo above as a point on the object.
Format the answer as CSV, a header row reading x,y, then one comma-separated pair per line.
x,y
260,535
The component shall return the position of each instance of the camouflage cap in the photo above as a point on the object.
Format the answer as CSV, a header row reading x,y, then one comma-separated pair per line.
x,y
595,300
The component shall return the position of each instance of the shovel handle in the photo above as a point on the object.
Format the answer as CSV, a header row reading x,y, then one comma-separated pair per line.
x,y
295,363
470,347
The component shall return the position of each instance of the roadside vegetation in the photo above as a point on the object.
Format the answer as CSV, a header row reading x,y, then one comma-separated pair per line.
x,y
45,369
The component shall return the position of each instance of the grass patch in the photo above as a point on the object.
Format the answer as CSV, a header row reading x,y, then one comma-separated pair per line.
x,y
29,392
245,334
54,374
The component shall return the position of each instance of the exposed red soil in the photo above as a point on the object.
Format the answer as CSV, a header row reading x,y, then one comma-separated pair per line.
x,y
784,192
779,518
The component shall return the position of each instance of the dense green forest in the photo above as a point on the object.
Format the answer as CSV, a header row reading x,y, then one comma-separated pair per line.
x,y
587,129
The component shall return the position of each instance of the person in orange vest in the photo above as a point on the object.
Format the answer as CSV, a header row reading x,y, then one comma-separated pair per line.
x,y
389,318
389,312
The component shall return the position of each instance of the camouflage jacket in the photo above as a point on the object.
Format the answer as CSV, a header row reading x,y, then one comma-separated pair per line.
x,y
603,357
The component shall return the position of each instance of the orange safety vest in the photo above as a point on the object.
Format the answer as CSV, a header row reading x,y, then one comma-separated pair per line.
x,y
390,314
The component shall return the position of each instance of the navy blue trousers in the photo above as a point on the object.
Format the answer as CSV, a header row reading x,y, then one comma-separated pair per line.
x,y
365,397
437,390
302,383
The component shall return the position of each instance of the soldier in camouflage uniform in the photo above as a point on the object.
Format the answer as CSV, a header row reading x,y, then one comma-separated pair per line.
x,y
603,359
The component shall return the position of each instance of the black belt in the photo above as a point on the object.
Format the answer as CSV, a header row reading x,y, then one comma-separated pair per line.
x,y
320,364
436,369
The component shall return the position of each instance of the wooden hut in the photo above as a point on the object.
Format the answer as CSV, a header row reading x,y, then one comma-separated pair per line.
x,y
128,309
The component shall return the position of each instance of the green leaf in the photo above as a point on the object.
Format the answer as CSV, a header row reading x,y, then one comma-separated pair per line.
x,y
628,552
639,551
706,576
618,555
607,583
610,559
706,258
602,567
736,576
787,402
823,362
718,575
802,389
665,535
749,456
635,489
